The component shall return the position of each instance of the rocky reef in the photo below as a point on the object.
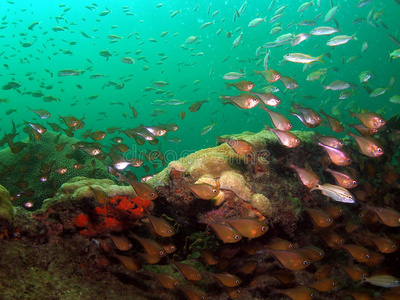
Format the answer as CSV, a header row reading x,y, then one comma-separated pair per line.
x,y
109,241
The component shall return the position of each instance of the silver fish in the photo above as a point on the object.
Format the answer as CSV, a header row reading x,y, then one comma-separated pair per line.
x,y
335,192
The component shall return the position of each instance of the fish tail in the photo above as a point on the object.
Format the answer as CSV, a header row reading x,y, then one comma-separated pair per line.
x,y
221,140
319,58
267,127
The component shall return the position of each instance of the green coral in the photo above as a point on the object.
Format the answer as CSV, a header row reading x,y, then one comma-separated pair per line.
x,y
6,208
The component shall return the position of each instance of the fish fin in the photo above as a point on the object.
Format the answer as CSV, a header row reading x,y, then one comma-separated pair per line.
x,y
316,187
319,58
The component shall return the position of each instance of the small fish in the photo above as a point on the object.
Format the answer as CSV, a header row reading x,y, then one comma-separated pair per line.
x,y
343,179
143,190
286,138
197,105
335,192
256,22
337,85
387,216
323,30
243,101
100,195
249,228
320,217
127,60
268,98
313,253
188,271
269,75
335,125
302,58
203,191
130,263
297,293
386,281
160,226
226,279
240,146
324,285
280,121
359,253
225,233
244,85
307,177
331,13
367,145
370,119
165,280
289,259
121,242
233,76
340,40
337,156
69,72
150,246
208,128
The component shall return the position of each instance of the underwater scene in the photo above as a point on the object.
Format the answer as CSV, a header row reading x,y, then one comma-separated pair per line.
x,y
236,149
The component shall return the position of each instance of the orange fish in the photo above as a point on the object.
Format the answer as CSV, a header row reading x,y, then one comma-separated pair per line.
x,y
307,178
244,85
165,280
70,121
384,244
160,226
208,257
226,279
297,293
376,259
168,247
188,271
329,141
143,190
150,246
243,101
248,266
268,98
338,157
192,293
269,75
323,272
343,179
370,119
97,135
387,216
289,259
312,252
364,130
324,285
100,195
148,258
121,242
130,263
240,146
335,125
203,191
320,218
359,253
367,145
334,211
307,116
331,238
196,105
279,244
356,273
225,232
280,121
286,138
249,228
284,276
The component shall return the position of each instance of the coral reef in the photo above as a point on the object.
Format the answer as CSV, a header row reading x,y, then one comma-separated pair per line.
x,y
45,158
6,208
264,233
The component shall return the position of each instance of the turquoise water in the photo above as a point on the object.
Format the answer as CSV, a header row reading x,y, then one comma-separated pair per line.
x,y
193,71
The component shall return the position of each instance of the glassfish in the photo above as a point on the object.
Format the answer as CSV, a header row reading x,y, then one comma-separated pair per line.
x,y
307,177
337,156
159,225
386,215
150,246
279,120
320,218
367,145
249,228
243,101
240,146
143,190
289,259
188,271
225,232
244,85
343,179
269,75
297,293
370,119
286,138
203,191
226,279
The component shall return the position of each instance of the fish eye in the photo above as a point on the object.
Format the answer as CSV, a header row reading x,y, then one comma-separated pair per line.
x,y
341,241
361,215
290,246
382,258
170,231
306,262
173,248
202,298
394,247
161,253
320,254
176,283
214,191
312,295
319,181
152,194
367,256
382,121
364,275
354,182
198,275
348,160
237,237
290,125
264,228
297,140
328,220
379,150
334,283
237,281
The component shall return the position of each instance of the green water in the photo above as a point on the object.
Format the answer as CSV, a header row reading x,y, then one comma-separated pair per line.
x,y
138,21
